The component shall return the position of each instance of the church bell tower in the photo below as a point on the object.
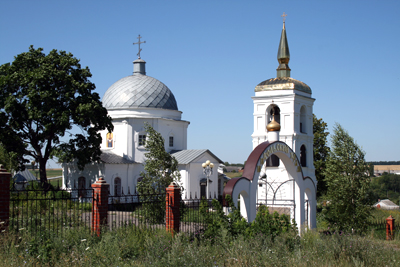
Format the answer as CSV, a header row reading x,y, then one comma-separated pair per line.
x,y
289,101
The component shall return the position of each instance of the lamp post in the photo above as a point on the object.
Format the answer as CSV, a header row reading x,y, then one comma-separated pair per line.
x,y
207,170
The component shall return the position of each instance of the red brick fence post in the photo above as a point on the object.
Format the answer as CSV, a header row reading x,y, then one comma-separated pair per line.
x,y
389,227
172,211
5,178
99,205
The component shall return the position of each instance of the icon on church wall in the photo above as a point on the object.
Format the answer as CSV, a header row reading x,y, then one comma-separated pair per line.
x,y
109,140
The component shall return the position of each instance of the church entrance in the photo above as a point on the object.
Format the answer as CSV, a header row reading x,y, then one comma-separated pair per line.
x,y
286,190
277,195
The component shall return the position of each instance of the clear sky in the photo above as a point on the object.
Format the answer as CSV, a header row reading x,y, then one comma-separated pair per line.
x,y
212,54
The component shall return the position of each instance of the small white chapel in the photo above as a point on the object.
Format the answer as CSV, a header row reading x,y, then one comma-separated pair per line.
x,y
132,101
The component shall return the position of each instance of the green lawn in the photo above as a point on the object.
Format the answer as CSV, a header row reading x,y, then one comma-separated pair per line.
x,y
50,173
233,174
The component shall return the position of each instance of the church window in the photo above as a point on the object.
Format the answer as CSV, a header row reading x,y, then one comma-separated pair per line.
x,y
303,156
142,139
109,140
303,128
171,141
117,186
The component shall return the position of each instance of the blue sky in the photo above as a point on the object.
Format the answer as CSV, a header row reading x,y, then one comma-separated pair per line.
x,y
212,54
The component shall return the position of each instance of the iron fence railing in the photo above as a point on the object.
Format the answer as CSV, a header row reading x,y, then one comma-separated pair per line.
x,y
196,213
378,228
137,211
50,211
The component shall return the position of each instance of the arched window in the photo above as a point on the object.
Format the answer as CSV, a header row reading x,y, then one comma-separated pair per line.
x,y
81,186
117,187
303,125
274,109
272,161
303,156
171,141
109,140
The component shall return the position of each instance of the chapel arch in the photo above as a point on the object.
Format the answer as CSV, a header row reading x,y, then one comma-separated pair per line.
x,y
249,183
303,119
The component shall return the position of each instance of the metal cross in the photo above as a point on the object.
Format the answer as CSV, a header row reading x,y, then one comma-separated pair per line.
x,y
284,17
138,43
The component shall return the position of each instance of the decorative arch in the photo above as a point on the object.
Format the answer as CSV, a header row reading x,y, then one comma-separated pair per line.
x,y
246,186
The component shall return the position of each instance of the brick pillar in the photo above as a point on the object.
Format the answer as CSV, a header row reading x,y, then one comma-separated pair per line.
x,y
99,205
172,212
4,198
389,227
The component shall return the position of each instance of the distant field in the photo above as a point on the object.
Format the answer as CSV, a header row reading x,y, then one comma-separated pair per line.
x,y
233,174
50,173
387,168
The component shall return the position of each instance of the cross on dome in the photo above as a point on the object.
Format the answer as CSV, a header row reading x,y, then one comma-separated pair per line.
x,y
284,17
138,43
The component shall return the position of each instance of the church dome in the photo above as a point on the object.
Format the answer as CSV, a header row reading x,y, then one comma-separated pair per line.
x,y
139,91
283,83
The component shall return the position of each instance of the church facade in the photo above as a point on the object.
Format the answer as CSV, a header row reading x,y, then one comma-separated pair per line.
x,y
131,102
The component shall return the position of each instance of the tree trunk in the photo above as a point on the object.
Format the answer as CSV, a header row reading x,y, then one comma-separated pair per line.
x,y
42,171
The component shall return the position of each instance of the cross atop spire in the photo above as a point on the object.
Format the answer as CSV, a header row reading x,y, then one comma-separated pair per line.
x,y
284,17
138,43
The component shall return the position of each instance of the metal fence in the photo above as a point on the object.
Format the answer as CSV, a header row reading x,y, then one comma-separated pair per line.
x,y
197,213
51,211
137,211
378,228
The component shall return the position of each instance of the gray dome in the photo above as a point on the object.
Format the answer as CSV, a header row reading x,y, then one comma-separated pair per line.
x,y
139,91
283,83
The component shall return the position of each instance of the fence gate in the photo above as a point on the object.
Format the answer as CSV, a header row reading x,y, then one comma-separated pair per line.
x,y
277,195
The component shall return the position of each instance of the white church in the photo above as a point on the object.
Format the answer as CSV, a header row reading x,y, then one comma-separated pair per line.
x,y
132,101
283,113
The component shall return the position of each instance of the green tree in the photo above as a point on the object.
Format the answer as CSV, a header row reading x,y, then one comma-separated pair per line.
x,y
42,98
321,151
8,160
160,167
348,182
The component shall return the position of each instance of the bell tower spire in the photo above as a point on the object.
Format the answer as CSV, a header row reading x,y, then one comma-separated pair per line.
x,y
283,69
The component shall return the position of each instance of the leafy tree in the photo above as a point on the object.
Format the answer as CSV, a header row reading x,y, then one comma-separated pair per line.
x,y
321,151
42,97
160,167
348,182
8,160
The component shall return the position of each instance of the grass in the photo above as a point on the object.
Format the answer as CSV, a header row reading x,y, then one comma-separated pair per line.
x,y
233,174
129,247
50,173
380,214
